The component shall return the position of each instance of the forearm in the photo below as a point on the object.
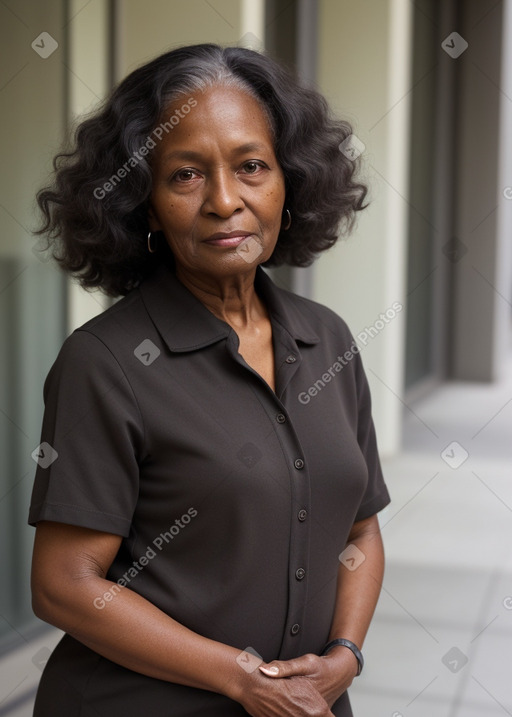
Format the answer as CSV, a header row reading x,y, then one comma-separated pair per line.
x,y
358,590
134,633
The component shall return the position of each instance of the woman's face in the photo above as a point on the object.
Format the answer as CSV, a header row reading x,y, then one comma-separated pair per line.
x,y
218,190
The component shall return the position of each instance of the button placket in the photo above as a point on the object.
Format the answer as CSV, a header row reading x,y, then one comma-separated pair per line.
x,y
299,555
299,506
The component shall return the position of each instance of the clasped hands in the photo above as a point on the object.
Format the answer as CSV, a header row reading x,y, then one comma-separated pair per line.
x,y
306,686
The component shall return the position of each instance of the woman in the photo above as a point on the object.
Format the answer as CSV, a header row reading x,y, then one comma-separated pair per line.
x,y
211,451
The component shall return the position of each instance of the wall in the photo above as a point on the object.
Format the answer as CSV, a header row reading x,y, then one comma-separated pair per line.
x,y
87,85
362,276
139,36
32,298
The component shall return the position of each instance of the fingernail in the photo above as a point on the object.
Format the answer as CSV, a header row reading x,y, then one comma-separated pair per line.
x,y
270,670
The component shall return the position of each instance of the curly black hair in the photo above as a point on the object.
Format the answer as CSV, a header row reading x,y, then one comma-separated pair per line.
x,y
95,213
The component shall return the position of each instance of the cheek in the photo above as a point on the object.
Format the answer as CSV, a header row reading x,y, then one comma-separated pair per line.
x,y
274,200
160,203
173,213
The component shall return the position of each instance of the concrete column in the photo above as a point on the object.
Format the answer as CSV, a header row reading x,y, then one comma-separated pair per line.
x,y
503,329
482,271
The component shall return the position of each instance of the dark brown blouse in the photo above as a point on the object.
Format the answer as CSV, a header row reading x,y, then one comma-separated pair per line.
x,y
234,502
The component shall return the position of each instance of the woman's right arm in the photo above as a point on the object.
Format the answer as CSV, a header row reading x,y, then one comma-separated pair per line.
x,y
68,576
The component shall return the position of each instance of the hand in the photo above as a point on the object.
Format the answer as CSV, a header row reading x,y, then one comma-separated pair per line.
x,y
294,697
331,675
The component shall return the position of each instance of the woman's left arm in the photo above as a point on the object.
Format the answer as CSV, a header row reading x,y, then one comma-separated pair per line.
x,y
357,593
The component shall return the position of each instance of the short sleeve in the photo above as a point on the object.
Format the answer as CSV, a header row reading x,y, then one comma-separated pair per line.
x,y
376,496
91,441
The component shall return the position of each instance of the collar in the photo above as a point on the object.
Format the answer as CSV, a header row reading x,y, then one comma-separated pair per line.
x,y
186,324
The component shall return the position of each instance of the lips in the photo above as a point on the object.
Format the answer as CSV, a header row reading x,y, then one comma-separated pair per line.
x,y
227,239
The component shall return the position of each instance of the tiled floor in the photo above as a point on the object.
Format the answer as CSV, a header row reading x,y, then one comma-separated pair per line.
x,y
447,594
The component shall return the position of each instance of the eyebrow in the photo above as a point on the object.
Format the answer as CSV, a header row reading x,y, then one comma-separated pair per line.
x,y
190,155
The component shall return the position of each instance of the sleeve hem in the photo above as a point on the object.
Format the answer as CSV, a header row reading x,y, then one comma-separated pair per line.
x,y
373,506
79,517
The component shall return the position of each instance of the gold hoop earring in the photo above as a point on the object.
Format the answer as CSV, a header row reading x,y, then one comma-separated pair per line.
x,y
151,251
289,221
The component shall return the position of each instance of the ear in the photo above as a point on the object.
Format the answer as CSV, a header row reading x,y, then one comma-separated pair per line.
x,y
154,224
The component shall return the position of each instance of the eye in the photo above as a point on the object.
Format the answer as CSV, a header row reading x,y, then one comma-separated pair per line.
x,y
184,175
253,166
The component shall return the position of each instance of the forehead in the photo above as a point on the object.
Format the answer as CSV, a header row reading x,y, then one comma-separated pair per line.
x,y
222,115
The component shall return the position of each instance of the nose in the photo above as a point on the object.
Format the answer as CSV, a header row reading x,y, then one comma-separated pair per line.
x,y
223,194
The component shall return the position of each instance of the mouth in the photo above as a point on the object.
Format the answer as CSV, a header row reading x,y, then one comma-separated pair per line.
x,y
227,239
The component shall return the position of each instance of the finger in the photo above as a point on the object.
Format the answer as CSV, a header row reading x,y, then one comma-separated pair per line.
x,y
287,668
270,670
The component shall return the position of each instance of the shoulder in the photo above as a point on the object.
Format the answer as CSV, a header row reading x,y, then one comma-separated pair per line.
x,y
115,331
320,319
335,348
126,314
95,351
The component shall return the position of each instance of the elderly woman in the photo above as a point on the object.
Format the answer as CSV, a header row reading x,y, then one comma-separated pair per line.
x,y
208,479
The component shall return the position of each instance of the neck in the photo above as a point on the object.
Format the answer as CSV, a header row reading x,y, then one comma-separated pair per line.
x,y
232,299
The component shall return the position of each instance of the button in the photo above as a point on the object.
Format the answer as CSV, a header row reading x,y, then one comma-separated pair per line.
x,y
280,418
300,574
302,515
299,464
291,359
295,629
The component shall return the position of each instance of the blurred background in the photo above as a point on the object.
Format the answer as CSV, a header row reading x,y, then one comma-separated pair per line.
x,y
427,86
